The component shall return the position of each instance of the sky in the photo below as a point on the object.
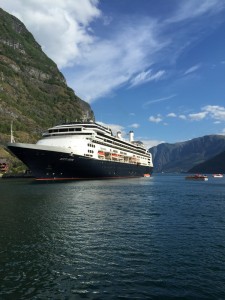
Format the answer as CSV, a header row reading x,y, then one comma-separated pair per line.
x,y
156,67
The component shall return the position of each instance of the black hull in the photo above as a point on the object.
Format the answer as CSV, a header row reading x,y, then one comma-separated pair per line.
x,y
55,165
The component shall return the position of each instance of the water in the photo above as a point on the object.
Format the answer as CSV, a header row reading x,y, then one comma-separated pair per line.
x,y
157,238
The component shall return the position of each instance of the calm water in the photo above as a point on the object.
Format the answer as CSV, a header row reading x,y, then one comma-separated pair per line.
x,y
157,238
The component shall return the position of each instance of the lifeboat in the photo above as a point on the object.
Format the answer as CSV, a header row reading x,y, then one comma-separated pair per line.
x,y
147,175
101,153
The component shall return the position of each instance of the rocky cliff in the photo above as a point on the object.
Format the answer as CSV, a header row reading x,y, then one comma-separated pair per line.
x,y
33,92
181,157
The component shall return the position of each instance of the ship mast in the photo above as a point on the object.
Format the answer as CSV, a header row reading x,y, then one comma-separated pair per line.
x,y
12,139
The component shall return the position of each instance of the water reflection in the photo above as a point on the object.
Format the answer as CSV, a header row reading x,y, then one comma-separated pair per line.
x,y
104,239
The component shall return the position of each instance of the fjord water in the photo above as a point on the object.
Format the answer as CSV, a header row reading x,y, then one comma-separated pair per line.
x,y
153,238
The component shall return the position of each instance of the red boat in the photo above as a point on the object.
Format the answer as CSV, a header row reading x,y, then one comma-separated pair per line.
x,y
200,177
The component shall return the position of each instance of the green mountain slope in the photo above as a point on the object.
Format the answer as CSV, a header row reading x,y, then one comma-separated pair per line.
x,y
33,93
181,157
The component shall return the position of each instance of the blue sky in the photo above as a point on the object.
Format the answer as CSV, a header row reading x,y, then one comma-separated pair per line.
x,y
153,66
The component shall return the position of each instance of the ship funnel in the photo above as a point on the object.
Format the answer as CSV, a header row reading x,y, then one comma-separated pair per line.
x,y
119,135
131,136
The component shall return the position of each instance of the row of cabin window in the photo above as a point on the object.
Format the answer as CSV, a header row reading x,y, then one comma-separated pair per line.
x,y
64,130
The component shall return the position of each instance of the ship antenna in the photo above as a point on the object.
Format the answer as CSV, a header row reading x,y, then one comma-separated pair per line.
x,y
12,140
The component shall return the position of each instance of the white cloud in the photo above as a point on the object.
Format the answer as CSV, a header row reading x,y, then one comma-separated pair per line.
x,y
198,116
135,125
158,100
182,117
147,76
157,119
215,112
171,115
111,63
192,69
195,8
60,27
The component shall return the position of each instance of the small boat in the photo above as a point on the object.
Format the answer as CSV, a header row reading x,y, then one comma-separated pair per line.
x,y
218,175
199,177
147,175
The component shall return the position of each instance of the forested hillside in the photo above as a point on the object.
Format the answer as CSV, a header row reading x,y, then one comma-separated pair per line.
x,y
33,92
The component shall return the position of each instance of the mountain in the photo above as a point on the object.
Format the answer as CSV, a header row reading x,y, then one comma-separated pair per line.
x,y
210,166
33,92
181,157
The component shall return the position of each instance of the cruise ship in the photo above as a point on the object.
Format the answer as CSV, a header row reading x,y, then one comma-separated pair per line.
x,y
84,150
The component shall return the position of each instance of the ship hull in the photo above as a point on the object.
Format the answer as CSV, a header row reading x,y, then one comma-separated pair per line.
x,y
48,164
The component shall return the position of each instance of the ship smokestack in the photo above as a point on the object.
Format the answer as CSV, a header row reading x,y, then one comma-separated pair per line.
x,y
131,136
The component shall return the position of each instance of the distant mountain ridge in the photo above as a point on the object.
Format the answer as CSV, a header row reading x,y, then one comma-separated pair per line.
x,y
33,92
215,165
181,157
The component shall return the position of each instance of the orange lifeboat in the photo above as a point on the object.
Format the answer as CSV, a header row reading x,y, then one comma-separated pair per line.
x,y
147,175
101,153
